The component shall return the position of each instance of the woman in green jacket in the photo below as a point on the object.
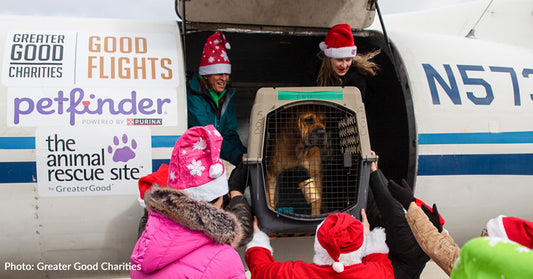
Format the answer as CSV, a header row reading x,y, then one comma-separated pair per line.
x,y
209,98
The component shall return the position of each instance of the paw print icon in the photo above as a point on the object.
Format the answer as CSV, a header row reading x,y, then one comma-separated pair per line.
x,y
122,149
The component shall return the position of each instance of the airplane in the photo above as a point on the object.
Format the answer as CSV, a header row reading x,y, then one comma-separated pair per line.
x,y
447,112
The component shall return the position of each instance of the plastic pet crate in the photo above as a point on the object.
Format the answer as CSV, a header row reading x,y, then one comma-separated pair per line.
x,y
308,156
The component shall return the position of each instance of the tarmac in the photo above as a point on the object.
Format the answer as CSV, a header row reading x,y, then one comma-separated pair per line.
x,y
433,271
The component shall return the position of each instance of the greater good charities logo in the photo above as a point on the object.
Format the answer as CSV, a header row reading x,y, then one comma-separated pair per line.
x,y
98,58
39,58
77,161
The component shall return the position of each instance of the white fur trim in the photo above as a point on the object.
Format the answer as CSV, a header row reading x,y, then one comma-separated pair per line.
x,y
338,267
260,239
210,190
214,69
341,52
375,242
495,227
141,202
322,256
216,170
322,46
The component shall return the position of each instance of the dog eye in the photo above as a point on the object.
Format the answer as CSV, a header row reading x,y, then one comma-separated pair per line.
x,y
309,120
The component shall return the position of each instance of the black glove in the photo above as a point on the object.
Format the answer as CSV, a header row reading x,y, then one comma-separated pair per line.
x,y
403,193
434,216
238,178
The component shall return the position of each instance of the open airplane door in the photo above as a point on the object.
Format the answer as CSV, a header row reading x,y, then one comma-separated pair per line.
x,y
308,156
295,184
358,14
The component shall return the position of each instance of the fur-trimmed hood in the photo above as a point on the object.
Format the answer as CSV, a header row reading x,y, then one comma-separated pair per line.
x,y
186,236
217,224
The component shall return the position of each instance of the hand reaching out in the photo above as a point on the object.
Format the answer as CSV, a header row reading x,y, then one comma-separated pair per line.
x,y
256,225
434,216
366,225
403,193
373,165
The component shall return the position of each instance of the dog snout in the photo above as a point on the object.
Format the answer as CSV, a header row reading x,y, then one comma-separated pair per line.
x,y
318,136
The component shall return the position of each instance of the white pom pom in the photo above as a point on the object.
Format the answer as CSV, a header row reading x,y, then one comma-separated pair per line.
x,y
322,46
215,170
338,267
227,45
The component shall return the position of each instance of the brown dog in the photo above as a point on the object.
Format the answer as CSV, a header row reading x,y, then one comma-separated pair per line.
x,y
298,136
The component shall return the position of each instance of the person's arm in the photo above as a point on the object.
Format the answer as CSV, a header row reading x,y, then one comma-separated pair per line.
x,y
239,206
232,148
258,255
440,247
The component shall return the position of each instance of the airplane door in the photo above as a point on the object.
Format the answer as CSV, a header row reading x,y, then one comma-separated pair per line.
x,y
358,14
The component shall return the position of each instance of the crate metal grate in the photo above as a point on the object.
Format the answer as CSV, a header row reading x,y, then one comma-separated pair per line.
x,y
312,159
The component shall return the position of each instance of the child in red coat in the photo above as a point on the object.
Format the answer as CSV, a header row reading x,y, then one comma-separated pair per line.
x,y
344,248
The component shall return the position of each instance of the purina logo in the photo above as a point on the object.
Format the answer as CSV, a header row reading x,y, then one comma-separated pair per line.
x,y
144,121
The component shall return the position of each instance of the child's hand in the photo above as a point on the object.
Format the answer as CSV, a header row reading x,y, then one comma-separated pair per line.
x,y
366,225
256,225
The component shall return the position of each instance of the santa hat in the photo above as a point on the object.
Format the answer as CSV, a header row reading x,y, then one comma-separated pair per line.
x,y
214,57
195,165
512,228
339,241
159,177
339,42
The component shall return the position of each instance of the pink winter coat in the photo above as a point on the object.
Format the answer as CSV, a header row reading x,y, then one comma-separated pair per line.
x,y
186,238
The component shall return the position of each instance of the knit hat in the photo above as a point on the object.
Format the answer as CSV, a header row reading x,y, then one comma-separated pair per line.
x,y
340,234
214,57
512,228
339,42
159,177
195,165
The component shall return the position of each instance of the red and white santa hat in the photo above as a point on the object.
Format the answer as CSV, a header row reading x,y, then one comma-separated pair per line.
x,y
195,165
215,59
160,177
512,228
339,241
339,42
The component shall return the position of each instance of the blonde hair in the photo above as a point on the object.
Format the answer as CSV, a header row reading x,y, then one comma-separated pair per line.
x,y
361,62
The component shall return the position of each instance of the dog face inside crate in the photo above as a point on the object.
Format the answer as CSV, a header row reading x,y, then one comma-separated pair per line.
x,y
304,161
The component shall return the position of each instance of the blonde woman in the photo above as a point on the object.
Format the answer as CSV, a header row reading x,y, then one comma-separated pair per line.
x,y
341,64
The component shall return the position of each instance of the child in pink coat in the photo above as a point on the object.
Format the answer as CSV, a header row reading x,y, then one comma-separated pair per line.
x,y
188,235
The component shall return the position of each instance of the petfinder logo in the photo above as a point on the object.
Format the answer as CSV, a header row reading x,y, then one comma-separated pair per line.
x,y
67,108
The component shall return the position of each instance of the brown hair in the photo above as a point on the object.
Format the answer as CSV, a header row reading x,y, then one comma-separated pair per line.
x,y
361,62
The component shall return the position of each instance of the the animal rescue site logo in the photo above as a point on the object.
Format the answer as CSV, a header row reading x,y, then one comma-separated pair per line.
x,y
90,161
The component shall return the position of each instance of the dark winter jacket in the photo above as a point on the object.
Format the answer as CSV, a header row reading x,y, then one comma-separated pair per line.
x,y
186,238
351,78
407,258
203,111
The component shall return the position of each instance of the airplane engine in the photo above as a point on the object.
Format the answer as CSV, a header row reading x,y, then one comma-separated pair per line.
x,y
308,156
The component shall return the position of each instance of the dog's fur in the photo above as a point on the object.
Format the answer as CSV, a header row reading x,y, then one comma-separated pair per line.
x,y
216,223
297,144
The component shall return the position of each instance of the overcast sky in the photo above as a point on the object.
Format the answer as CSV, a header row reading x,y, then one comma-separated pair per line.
x,y
158,9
